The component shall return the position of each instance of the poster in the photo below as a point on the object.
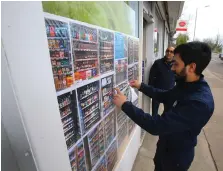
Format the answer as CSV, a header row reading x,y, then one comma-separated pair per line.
x,y
121,70
89,105
122,133
109,124
107,94
136,51
96,143
59,48
131,73
119,46
116,15
106,50
111,156
85,51
101,166
69,118
121,118
130,51
77,158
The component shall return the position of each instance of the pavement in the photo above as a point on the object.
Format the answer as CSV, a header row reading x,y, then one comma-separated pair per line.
x,y
209,150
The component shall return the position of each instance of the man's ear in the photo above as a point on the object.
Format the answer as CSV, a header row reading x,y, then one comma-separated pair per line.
x,y
192,67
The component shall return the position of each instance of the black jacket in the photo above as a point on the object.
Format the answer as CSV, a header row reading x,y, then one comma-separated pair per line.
x,y
190,106
161,75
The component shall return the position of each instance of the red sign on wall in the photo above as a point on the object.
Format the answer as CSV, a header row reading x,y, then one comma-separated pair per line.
x,y
181,25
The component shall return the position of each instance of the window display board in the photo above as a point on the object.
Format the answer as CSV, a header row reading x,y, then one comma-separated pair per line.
x,y
87,63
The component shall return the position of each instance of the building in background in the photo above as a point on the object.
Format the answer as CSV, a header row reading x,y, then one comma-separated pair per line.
x,y
34,138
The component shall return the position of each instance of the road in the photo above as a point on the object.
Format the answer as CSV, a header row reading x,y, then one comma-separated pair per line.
x,y
216,66
213,131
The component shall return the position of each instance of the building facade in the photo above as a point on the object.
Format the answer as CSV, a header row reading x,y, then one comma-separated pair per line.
x,y
57,112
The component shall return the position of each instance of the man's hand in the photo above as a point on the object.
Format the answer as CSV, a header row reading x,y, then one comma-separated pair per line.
x,y
135,84
119,98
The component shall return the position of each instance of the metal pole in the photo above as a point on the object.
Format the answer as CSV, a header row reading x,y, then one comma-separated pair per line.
x,y
195,24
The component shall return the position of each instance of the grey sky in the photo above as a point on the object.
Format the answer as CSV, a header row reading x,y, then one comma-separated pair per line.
x,y
209,19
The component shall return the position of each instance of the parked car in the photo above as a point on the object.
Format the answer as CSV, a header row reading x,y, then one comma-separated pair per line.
x,y
221,56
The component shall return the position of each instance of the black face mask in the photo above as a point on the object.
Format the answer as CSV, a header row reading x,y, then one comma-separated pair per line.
x,y
181,77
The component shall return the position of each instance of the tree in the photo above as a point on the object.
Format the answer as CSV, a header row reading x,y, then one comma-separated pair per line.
x,y
216,44
182,38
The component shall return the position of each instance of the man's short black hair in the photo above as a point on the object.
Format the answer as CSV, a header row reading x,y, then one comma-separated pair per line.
x,y
195,52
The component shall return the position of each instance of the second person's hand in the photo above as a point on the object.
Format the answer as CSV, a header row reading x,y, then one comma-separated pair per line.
x,y
135,84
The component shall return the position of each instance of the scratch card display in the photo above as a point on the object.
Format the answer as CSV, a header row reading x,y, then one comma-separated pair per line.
x,y
122,133
111,156
121,70
69,118
88,97
109,124
59,48
96,143
119,46
85,51
107,94
106,50
101,166
130,51
77,158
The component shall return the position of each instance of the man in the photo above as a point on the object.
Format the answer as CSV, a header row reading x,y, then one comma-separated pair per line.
x,y
190,105
162,77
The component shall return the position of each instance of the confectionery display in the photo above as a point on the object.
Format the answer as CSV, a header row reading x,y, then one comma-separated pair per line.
x,y
87,63
77,158
96,143
107,94
122,132
109,124
85,52
88,97
59,49
111,156
101,165
130,50
106,51
69,117
121,70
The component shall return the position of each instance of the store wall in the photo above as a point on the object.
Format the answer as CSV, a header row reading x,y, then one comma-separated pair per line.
x,y
38,112
29,104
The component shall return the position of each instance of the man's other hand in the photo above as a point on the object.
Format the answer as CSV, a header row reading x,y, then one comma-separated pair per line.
x,y
135,84
119,98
